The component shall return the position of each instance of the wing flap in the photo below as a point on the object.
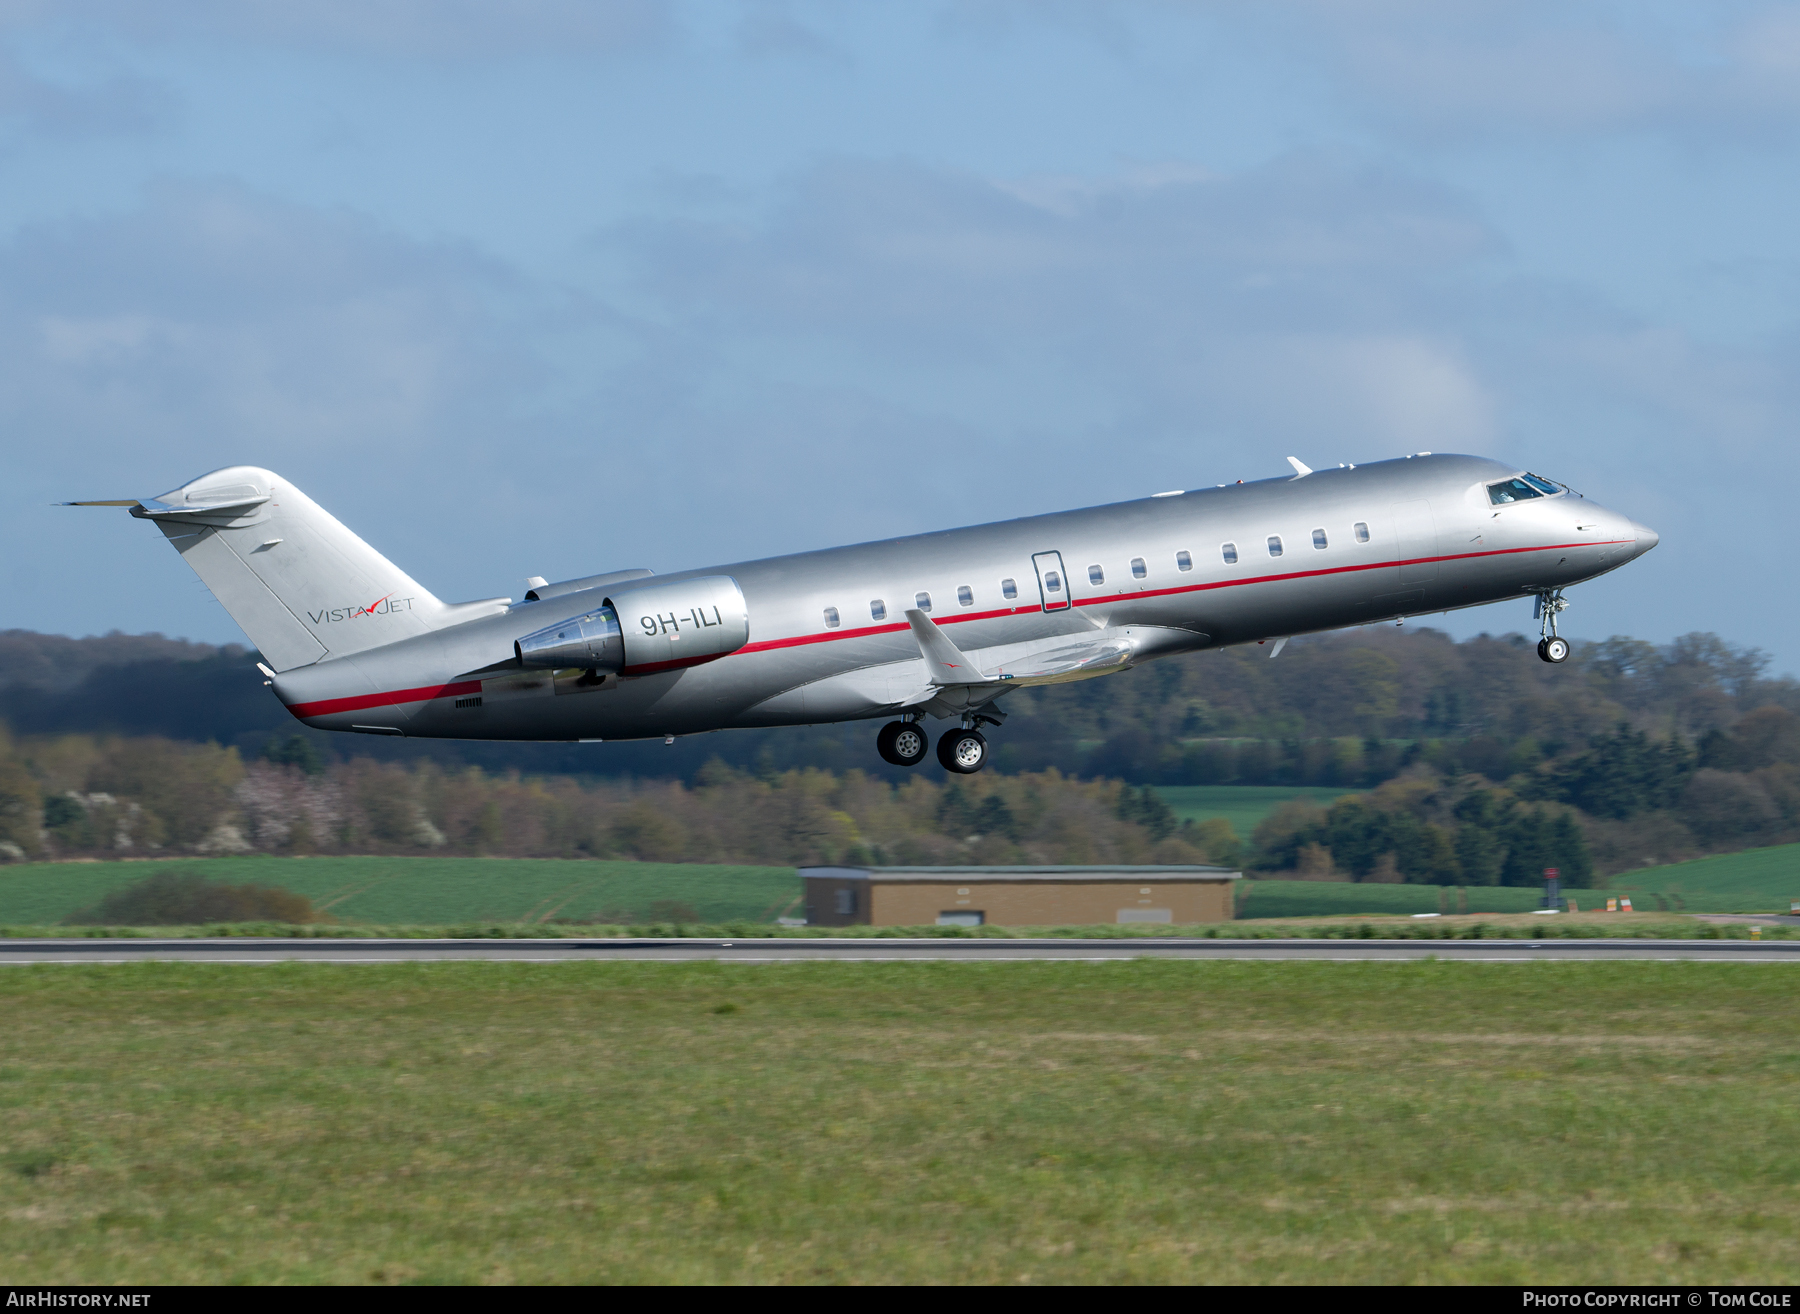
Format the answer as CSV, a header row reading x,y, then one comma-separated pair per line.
x,y
1056,662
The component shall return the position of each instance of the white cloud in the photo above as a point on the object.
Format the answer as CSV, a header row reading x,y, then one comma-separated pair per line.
x,y
213,308
1304,293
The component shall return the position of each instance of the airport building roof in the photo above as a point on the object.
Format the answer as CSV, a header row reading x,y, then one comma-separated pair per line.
x,y
990,875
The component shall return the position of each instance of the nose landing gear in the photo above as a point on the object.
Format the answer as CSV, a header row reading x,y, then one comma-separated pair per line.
x,y
1551,647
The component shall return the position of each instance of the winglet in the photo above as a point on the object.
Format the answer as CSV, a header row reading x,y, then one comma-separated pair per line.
x,y
1300,471
944,661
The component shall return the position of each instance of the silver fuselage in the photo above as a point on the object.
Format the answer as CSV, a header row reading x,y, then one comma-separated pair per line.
x,y
1434,543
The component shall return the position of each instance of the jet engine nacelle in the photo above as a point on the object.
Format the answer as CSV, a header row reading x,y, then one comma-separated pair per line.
x,y
639,631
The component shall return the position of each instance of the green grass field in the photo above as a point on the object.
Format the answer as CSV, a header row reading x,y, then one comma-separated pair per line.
x,y
879,1123
1337,898
429,890
1754,880
447,891
1244,806
512,891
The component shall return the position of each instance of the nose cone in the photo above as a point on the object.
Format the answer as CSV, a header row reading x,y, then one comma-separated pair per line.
x,y
1647,538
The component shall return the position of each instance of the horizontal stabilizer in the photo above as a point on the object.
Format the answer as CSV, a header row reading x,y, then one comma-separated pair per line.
x,y
198,505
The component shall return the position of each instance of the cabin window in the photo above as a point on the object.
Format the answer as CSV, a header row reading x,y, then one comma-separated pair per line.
x,y
1229,552
831,618
1052,582
1184,561
1362,532
1513,490
1274,545
1009,589
1138,568
1096,576
878,609
922,601
1319,539
965,596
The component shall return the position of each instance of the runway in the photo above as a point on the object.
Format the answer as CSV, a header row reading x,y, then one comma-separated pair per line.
x,y
233,950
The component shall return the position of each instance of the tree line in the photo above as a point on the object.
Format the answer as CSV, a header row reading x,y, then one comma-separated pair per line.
x,y
1629,755
1350,709
81,796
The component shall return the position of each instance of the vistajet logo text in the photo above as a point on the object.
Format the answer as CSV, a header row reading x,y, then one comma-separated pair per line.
x,y
380,607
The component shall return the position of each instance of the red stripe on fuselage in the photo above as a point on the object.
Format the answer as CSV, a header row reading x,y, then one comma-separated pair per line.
x,y
829,636
326,706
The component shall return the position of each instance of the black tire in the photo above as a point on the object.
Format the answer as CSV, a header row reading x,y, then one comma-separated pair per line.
x,y
1554,651
963,752
903,743
1540,650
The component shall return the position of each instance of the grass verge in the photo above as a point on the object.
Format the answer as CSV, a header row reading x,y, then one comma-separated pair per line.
x,y
1031,1122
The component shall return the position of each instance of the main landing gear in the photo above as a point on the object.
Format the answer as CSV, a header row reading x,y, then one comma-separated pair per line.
x,y
963,751
1551,647
903,743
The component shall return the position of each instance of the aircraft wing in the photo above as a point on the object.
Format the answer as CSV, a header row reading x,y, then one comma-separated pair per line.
x,y
944,661
1050,661
1057,660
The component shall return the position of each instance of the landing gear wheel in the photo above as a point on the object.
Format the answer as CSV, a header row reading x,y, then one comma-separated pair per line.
x,y
963,751
1554,651
902,742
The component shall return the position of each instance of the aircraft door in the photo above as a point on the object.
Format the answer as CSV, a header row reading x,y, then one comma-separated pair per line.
x,y
1053,580
1416,533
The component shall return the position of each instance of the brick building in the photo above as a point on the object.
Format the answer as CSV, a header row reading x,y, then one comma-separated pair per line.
x,y
1016,896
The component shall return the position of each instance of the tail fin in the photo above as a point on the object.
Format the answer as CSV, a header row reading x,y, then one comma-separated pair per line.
x,y
299,584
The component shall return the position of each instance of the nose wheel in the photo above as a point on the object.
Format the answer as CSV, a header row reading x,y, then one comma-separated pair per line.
x,y
902,743
1551,647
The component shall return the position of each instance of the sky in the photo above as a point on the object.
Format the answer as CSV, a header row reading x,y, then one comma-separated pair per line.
x,y
530,287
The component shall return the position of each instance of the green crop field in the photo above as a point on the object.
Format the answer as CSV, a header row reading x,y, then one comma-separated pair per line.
x,y
1760,880
514,891
882,1123
1244,806
1260,899
448,891
436,891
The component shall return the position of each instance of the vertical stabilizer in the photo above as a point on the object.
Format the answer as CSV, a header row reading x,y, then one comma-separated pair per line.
x,y
299,584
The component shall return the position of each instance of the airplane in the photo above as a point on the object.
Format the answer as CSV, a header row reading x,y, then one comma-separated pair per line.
x,y
942,624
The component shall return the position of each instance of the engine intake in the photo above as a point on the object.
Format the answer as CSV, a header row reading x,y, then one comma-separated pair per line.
x,y
640,631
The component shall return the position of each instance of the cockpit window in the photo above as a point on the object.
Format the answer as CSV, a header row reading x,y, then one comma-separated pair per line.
x,y
1548,487
1513,490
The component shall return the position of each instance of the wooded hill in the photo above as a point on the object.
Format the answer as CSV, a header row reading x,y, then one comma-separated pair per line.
x,y
1496,765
